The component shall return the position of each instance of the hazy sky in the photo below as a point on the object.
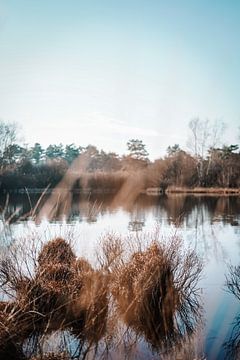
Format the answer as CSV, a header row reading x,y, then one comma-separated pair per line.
x,y
105,71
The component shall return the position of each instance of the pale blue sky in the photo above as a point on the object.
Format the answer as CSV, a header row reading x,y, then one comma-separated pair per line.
x,y
105,71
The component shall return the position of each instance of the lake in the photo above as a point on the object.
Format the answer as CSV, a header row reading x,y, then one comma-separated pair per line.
x,y
208,224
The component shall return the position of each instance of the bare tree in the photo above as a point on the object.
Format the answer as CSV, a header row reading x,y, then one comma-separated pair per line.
x,y
204,136
8,134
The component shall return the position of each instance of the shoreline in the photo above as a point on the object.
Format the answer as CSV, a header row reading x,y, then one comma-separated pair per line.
x,y
154,191
203,191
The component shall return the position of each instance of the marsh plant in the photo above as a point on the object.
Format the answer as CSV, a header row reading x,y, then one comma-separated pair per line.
x,y
156,293
133,295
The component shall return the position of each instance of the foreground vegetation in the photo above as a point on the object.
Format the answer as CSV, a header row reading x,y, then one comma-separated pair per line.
x,y
51,296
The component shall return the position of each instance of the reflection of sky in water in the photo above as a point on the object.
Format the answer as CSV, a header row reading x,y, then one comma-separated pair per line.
x,y
218,244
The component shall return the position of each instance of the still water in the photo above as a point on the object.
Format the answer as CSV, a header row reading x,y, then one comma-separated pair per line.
x,y
208,224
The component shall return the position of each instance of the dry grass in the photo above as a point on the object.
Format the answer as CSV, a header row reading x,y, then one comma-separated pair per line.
x,y
155,293
56,251
64,293
87,312
151,292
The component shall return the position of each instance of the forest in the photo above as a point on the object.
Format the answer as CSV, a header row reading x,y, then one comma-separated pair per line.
x,y
204,165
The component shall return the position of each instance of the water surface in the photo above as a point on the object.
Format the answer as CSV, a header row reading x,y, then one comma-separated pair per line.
x,y
208,224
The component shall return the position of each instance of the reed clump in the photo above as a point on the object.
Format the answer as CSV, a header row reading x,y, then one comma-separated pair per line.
x,y
56,251
6,307
82,265
150,292
11,330
44,297
64,293
87,302
90,307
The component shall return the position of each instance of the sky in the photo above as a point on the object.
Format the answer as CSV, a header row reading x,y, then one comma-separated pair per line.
x,y
102,72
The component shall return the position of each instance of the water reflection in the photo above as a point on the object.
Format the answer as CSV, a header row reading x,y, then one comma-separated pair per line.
x,y
137,220
208,224
233,285
177,209
135,225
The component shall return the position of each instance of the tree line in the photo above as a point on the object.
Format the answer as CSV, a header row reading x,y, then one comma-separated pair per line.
x,y
206,164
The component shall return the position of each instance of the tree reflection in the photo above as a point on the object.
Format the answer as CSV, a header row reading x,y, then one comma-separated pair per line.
x,y
177,209
233,286
136,225
137,220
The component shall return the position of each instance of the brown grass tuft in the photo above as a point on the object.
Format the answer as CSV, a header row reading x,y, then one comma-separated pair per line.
x,y
56,251
89,309
6,307
81,265
148,295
